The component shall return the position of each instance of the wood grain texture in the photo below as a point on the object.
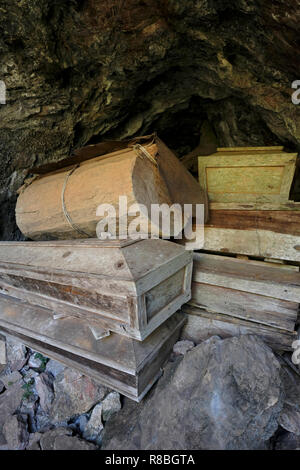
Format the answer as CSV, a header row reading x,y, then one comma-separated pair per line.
x,y
39,211
101,179
201,325
256,206
247,175
240,304
246,276
276,221
130,290
120,363
260,243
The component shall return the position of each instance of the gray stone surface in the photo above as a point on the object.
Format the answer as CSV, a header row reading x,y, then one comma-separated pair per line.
x,y
44,388
47,439
224,394
54,367
29,374
36,361
287,441
11,379
94,427
182,347
72,443
289,418
110,405
2,352
81,422
75,394
16,433
16,354
33,442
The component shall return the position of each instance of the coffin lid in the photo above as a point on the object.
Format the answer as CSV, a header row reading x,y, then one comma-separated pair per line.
x,y
128,260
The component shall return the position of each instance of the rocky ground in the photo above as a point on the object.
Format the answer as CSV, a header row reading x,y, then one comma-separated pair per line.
x,y
221,394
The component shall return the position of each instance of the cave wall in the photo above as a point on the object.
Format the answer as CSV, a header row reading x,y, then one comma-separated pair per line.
x,y
81,71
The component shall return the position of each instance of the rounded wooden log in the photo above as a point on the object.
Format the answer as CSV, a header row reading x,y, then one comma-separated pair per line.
x,y
39,210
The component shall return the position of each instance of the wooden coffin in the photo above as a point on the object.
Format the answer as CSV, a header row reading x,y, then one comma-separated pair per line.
x,y
202,324
129,287
248,175
128,366
234,295
267,234
247,276
63,204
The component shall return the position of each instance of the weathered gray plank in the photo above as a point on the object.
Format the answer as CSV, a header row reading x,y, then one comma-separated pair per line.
x,y
244,276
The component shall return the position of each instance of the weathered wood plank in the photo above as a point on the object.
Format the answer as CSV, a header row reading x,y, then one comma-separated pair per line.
x,y
271,149
261,243
245,276
276,221
259,206
103,284
201,325
128,366
256,308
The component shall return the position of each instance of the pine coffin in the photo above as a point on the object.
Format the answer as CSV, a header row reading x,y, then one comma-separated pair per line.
x,y
248,175
202,324
128,287
126,365
233,296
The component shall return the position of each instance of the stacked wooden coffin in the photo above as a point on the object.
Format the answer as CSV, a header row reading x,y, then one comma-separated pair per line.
x,y
107,307
232,296
250,210
251,216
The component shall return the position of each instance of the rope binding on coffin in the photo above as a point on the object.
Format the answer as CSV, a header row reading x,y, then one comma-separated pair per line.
x,y
65,212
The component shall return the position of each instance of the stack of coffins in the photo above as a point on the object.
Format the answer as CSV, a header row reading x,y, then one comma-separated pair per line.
x,y
250,216
250,211
107,307
232,296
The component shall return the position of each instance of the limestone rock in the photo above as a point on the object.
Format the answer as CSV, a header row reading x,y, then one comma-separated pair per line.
x,y
223,394
43,422
16,354
287,441
44,388
11,379
54,367
110,405
28,408
2,352
16,433
71,443
10,400
166,66
182,347
75,394
37,361
33,441
47,439
289,418
94,427
81,422
29,375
